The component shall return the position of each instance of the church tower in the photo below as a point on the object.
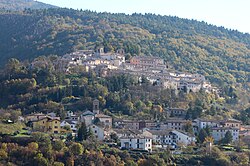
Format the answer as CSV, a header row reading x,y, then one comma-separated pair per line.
x,y
96,109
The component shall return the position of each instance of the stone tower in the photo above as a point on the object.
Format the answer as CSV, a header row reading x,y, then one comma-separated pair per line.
x,y
96,109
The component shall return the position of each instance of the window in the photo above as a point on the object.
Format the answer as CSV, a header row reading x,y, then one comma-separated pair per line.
x,y
56,127
95,131
55,132
55,121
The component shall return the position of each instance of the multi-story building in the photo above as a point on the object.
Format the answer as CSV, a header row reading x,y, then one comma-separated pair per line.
x,y
138,142
203,123
218,133
176,124
135,124
47,124
105,120
231,123
98,131
177,112
170,137
34,117
147,61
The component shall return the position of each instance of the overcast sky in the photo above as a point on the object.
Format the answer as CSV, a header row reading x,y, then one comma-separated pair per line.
x,y
232,14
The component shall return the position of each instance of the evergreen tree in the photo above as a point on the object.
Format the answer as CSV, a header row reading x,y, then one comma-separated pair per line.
x,y
228,138
202,135
82,133
90,134
208,130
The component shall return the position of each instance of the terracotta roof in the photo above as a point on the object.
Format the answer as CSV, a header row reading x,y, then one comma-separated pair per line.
x,y
231,121
49,118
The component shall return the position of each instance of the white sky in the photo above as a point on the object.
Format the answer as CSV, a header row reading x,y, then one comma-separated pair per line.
x,y
232,14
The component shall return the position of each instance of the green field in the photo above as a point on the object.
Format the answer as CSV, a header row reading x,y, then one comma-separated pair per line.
x,y
11,128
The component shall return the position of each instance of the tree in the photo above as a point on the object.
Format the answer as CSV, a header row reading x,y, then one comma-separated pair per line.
x,y
40,160
90,134
44,143
58,164
202,135
15,114
33,146
58,145
188,127
82,133
114,137
209,139
76,149
3,154
228,138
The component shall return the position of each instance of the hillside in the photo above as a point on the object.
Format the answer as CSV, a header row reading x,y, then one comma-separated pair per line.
x,y
222,55
23,4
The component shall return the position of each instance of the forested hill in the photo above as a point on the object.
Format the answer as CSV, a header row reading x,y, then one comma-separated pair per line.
x,y
221,55
23,4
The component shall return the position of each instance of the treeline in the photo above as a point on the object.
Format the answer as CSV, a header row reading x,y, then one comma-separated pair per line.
x,y
16,5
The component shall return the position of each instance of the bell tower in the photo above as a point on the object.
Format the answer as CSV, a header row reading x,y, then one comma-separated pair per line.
x,y
96,109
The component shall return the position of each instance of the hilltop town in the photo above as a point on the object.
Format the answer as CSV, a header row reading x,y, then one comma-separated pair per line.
x,y
154,69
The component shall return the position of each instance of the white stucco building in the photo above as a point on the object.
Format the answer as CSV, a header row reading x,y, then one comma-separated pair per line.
x,y
203,123
98,131
169,137
138,142
183,137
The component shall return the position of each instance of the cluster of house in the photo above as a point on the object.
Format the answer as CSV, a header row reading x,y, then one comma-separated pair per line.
x,y
90,60
154,68
96,121
138,134
158,73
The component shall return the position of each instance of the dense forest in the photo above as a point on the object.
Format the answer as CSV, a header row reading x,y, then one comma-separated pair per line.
x,y
23,4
